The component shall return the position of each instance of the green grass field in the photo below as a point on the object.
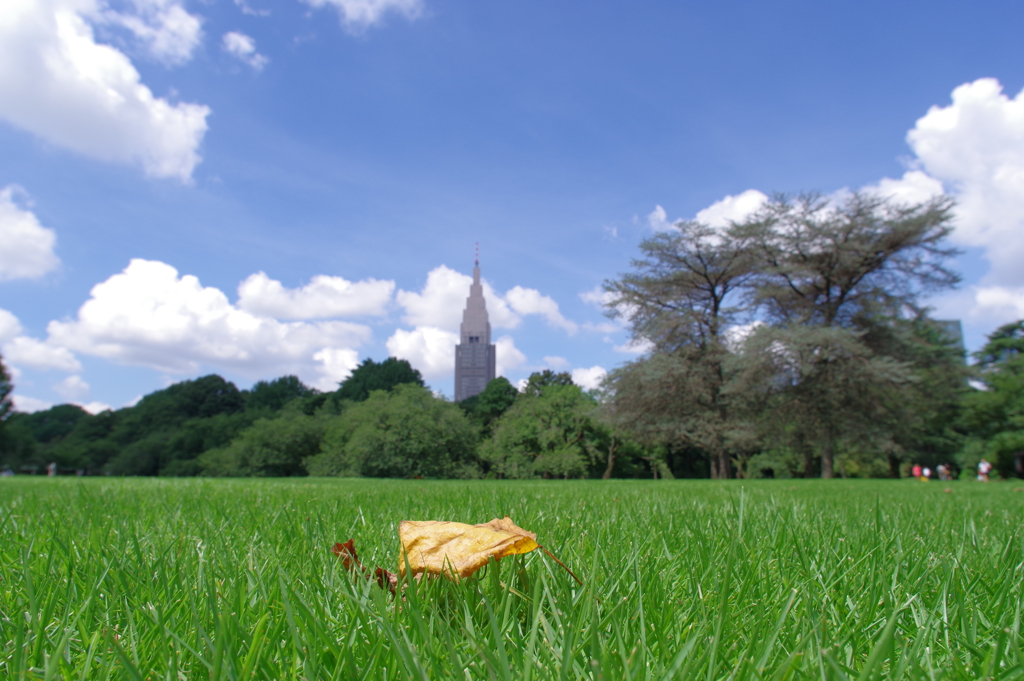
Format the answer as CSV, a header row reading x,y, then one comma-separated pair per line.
x,y
234,579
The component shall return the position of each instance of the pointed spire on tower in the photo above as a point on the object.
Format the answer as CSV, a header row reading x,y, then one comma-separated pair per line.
x,y
476,260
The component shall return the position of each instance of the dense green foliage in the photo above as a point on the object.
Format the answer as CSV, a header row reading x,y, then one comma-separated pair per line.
x,y
548,432
234,579
370,376
404,433
995,416
794,341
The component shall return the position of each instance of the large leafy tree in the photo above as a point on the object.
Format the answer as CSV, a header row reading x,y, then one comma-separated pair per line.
x,y
819,277
681,300
271,447
995,416
6,387
826,264
816,386
272,396
484,409
370,376
402,433
551,434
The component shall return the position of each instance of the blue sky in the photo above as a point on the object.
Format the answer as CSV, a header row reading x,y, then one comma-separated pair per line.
x,y
258,188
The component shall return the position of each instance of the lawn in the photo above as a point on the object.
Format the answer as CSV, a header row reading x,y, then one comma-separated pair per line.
x,y
235,579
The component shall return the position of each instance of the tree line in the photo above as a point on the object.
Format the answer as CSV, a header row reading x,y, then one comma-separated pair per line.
x,y
381,422
793,343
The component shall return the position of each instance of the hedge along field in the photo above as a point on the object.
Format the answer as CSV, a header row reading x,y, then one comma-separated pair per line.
x,y
234,579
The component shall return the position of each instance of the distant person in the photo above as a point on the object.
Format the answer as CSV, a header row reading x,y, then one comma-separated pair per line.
x,y
984,467
943,472
926,474
916,471
51,470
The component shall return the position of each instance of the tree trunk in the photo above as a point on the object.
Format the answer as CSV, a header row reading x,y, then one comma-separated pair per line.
x,y
611,460
826,458
724,466
894,467
808,461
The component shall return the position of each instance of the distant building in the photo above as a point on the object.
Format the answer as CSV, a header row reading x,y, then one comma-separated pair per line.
x,y
474,355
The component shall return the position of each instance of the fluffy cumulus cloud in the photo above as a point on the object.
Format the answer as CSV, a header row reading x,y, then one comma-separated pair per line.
x,y
443,298
9,325
243,48
357,15
432,351
526,301
23,351
507,356
732,209
719,214
150,315
26,247
556,363
72,388
163,27
323,296
589,379
58,82
29,405
427,348
975,147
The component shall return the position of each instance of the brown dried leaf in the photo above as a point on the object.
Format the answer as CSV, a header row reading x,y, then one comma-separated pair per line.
x,y
347,553
457,549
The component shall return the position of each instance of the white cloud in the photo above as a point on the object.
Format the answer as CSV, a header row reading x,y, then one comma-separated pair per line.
x,y
975,147
169,33
94,407
527,301
357,15
556,363
338,364
323,296
26,247
732,209
443,298
508,356
9,325
72,388
242,47
58,82
432,351
998,303
249,10
914,187
29,405
589,379
31,352
427,348
657,220
148,315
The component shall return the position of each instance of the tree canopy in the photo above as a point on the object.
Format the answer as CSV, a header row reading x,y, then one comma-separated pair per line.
x,y
782,330
370,376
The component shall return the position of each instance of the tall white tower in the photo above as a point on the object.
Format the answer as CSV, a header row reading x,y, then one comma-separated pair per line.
x,y
474,355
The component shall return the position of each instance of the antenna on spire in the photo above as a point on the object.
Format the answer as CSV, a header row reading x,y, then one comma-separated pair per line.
x,y
476,260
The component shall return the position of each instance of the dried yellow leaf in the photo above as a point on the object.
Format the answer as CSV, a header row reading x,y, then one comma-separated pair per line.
x,y
450,549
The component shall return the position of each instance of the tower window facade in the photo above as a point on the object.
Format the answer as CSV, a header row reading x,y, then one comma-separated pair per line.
x,y
475,355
